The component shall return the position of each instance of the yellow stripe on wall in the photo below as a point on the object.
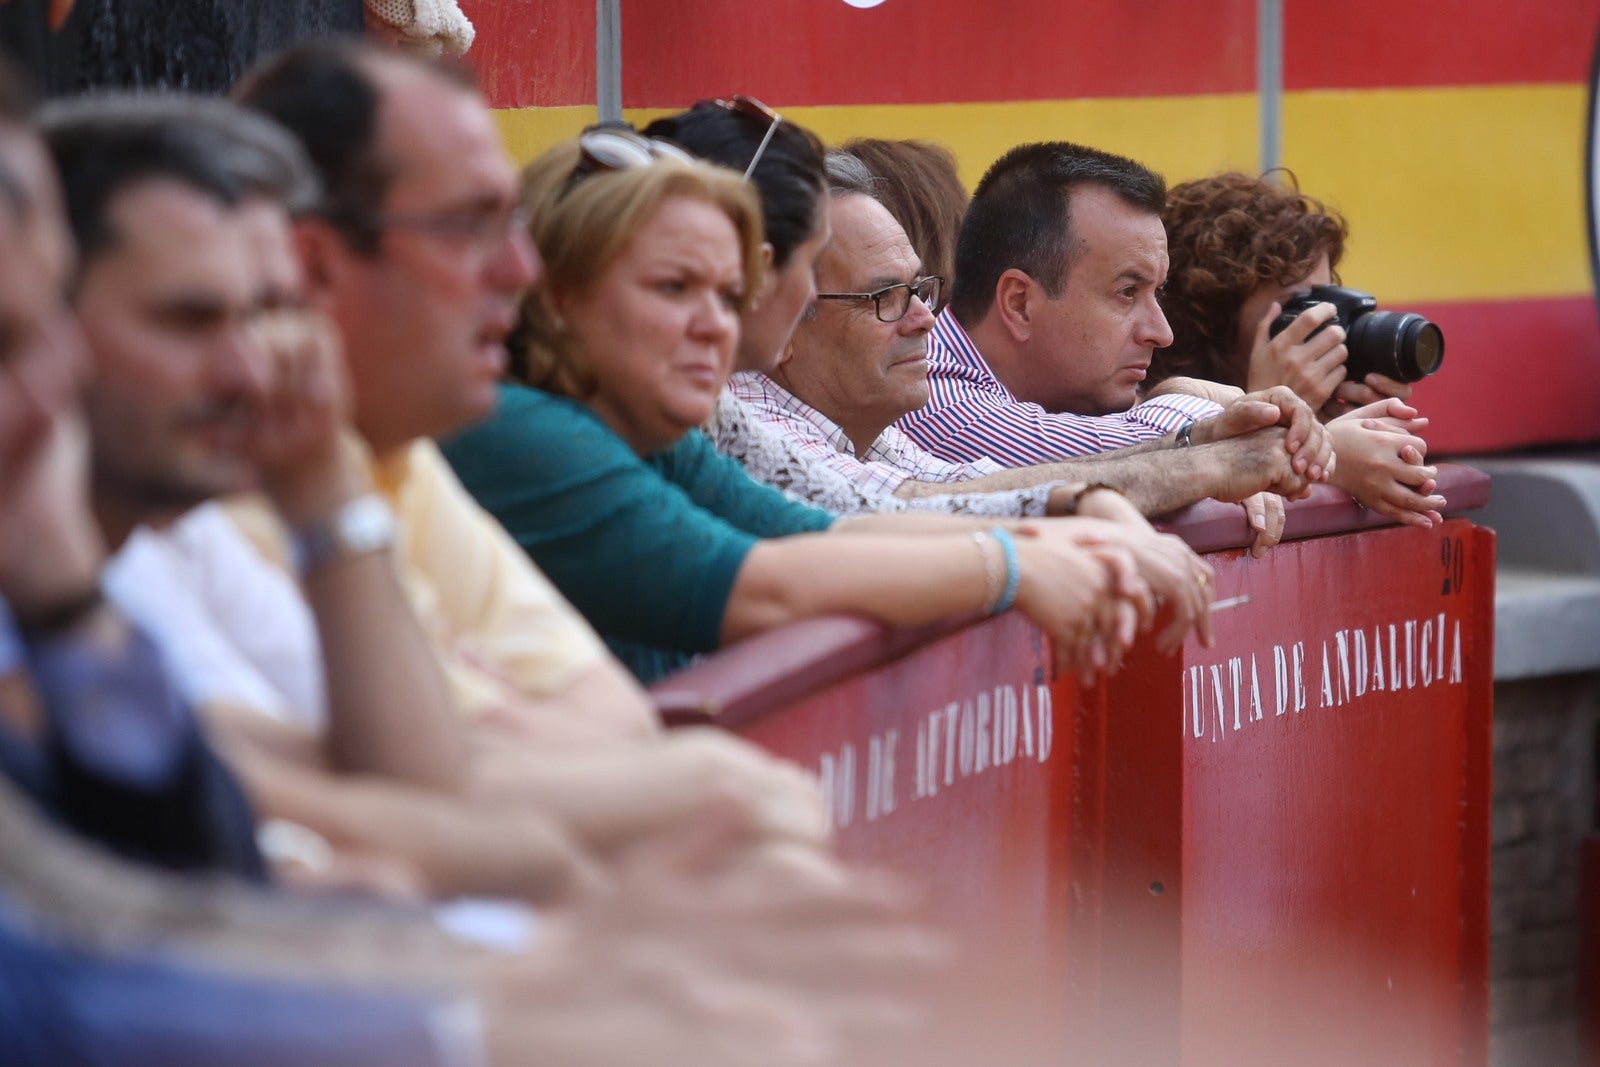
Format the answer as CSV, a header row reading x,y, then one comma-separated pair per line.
x,y
1452,194
1191,133
1198,134
527,131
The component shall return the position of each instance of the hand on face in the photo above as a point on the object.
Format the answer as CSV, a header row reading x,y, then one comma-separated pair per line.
x,y
50,546
40,380
296,443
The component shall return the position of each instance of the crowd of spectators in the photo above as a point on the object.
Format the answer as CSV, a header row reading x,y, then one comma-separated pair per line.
x,y
353,486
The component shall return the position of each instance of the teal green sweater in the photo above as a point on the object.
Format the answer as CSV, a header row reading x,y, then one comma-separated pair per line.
x,y
647,549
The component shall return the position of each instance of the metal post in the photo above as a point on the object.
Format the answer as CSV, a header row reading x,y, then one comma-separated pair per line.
x,y
608,60
1592,200
1269,80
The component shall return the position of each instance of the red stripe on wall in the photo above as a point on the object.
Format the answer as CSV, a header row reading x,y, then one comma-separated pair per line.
x,y
1516,373
933,51
794,52
1364,44
538,54
797,52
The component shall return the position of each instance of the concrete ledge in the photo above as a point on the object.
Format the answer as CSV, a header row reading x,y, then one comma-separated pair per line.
x,y
1546,512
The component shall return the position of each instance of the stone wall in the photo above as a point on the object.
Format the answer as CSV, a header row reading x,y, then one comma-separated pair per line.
x,y
1544,802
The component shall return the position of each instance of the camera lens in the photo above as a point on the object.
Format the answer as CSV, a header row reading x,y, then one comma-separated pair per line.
x,y
1400,344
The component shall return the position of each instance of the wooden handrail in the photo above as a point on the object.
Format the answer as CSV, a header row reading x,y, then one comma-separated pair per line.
x,y
778,667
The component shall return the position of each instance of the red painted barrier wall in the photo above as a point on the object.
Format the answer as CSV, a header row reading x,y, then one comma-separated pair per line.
x,y
1271,851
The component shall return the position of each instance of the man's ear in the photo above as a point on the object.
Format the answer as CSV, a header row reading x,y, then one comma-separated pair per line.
x,y
769,277
324,260
1015,301
787,354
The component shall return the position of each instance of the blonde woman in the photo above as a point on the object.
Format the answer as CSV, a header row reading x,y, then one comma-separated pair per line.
x,y
594,462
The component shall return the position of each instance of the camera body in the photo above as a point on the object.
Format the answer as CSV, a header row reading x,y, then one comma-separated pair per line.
x,y
1400,344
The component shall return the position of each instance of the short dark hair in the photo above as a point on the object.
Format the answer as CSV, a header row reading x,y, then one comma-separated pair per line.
x,y
16,100
104,144
1021,217
326,93
790,176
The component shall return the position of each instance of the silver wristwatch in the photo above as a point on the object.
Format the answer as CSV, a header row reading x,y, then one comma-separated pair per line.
x,y
355,528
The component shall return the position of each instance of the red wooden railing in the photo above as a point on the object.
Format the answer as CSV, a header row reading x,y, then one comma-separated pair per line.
x,y
1275,850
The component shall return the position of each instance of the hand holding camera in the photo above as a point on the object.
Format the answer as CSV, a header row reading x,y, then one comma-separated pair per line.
x,y
1336,350
1308,355
1401,345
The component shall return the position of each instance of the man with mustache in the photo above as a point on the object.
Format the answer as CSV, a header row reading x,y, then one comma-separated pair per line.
x,y
417,256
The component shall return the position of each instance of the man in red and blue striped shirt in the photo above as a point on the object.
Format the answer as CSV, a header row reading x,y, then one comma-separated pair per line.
x,y
1054,315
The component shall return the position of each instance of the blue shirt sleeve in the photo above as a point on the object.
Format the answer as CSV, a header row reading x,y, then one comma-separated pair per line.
x,y
644,562
123,760
63,1008
11,653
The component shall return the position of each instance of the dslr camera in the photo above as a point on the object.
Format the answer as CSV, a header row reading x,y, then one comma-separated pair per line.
x,y
1400,344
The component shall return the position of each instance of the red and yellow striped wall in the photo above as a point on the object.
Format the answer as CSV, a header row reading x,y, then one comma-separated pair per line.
x,y
1450,132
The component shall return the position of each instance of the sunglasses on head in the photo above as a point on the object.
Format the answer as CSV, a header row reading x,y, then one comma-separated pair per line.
x,y
753,109
601,150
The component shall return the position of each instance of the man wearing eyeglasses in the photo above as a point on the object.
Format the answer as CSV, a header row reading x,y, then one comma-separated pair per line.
x,y
859,361
419,257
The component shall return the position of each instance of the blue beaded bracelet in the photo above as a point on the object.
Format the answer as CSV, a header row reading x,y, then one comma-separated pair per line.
x,y
1013,575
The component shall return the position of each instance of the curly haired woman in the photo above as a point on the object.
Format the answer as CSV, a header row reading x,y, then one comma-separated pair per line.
x,y
1239,248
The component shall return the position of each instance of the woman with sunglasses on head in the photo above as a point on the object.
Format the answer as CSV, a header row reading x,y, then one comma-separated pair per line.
x,y
1240,248
594,463
785,163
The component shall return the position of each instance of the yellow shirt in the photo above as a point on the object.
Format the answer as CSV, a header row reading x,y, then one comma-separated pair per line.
x,y
501,629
